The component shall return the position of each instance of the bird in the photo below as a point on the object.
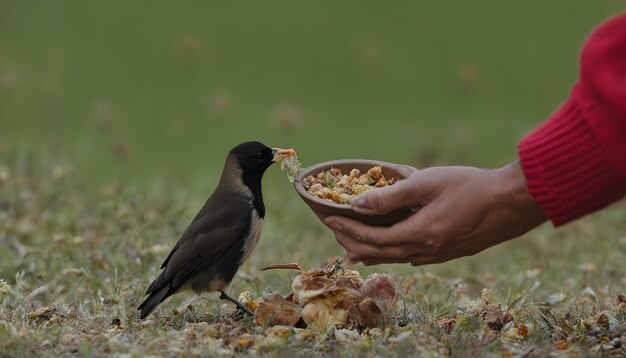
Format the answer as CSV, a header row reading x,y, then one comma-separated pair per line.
x,y
223,234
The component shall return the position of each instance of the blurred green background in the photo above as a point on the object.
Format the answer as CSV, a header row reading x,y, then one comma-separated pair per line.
x,y
134,92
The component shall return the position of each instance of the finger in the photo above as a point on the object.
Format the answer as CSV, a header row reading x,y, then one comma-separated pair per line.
x,y
352,260
403,194
355,250
358,250
397,234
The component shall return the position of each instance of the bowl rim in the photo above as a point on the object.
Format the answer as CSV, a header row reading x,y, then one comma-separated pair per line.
x,y
348,207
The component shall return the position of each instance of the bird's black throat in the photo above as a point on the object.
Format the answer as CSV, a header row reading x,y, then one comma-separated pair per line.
x,y
253,182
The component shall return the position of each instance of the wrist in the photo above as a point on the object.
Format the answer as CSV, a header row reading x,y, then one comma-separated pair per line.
x,y
513,192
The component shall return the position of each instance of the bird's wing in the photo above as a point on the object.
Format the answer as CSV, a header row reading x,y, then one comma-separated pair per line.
x,y
222,221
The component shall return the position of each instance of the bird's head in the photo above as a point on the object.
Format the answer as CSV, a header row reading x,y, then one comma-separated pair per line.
x,y
255,157
247,162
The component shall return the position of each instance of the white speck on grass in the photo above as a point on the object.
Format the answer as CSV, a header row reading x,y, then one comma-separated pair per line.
x,y
5,287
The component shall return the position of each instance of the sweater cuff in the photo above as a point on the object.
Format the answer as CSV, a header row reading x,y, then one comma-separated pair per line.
x,y
567,169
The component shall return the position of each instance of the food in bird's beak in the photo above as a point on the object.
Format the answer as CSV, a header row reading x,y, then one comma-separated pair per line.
x,y
340,188
281,154
289,162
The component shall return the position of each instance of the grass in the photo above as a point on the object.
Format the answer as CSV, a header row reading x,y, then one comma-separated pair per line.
x,y
76,261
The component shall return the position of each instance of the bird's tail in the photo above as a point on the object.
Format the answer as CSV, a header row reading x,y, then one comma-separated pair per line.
x,y
155,298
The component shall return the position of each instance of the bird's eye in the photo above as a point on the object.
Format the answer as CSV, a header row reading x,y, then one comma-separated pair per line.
x,y
259,155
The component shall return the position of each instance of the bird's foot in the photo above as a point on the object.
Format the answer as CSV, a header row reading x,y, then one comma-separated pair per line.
x,y
240,306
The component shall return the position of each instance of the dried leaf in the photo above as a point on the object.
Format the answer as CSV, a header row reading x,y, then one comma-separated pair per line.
x,y
368,314
382,289
350,279
246,299
276,310
321,316
446,324
522,330
307,287
512,334
561,345
494,317
46,313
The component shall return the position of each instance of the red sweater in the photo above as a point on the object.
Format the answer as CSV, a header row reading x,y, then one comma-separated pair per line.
x,y
575,162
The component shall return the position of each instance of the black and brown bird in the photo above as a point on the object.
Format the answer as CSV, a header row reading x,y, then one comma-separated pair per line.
x,y
223,234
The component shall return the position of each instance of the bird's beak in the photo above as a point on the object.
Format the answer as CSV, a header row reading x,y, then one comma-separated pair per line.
x,y
280,154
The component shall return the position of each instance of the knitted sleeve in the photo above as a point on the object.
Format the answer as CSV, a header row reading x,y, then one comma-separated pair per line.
x,y
575,162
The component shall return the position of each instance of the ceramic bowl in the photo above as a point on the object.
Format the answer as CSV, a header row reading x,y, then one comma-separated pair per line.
x,y
323,208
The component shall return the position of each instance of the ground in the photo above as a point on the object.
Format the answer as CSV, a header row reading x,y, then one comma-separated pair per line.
x,y
76,262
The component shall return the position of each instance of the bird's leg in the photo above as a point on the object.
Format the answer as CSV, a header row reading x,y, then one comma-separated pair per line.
x,y
224,296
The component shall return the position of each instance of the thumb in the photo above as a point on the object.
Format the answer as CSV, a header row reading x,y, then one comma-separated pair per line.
x,y
405,193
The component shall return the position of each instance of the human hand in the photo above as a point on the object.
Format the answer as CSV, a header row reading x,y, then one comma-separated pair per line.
x,y
464,210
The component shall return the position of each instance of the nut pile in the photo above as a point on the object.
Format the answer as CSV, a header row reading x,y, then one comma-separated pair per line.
x,y
327,298
341,188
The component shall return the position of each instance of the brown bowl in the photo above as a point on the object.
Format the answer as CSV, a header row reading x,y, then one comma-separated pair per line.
x,y
323,208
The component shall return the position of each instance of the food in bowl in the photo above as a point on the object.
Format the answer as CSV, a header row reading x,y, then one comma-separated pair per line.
x,y
324,208
340,188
